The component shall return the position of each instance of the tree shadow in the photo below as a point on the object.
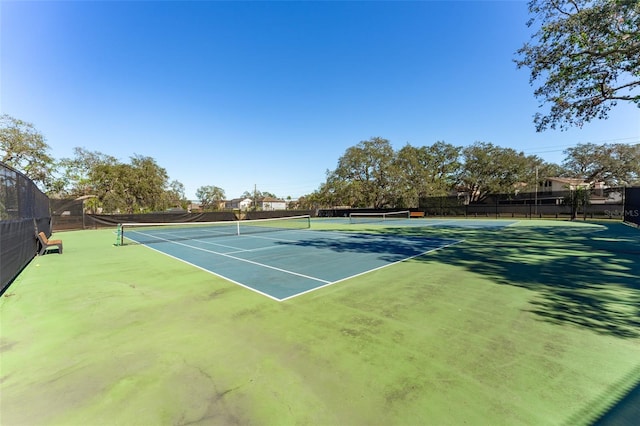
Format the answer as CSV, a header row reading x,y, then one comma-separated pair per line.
x,y
587,277
390,247
584,276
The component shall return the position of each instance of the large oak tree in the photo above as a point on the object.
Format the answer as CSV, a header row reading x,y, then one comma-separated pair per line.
x,y
368,171
426,171
614,164
586,56
210,196
24,148
490,169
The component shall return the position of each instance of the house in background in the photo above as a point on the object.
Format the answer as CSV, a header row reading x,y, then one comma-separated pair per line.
x,y
269,203
239,203
555,188
559,184
194,207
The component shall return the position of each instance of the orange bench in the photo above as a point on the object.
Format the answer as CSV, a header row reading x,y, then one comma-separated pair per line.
x,y
47,244
416,214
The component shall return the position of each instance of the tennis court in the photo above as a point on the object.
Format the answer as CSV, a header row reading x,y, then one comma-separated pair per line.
x,y
501,322
280,258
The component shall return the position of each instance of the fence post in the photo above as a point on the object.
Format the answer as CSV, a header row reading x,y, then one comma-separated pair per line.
x,y
119,236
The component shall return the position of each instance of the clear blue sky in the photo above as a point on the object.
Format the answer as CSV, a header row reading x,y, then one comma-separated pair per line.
x,y
237,94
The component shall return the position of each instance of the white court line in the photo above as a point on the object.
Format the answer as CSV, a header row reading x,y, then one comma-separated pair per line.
x,y
216,274
260,237
243,260
252,250
238,249
370,270
340,234
230,237
326,283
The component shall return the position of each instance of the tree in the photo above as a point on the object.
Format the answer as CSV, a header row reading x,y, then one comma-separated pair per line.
x,y
176,194
336,191
111,183
76,171
137,187
614,164
368,170
130,187
445,168
258,194
312,201
426,172
152,183
490,169
578,198
24,148
265,194
210,196
587,54
413,181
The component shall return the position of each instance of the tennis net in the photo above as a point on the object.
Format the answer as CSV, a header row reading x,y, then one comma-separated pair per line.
x,y
148,233
355,217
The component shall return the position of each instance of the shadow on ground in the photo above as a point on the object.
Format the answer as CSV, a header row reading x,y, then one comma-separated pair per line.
x,y
585,276
582,276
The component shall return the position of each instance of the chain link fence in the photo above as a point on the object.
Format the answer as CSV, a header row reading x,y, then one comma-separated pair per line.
x,y
603,203
24,211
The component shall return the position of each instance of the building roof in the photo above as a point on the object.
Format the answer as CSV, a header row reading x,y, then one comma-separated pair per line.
x,y
569,181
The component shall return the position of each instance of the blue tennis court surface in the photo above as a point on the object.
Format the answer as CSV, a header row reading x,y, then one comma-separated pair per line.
x,y
285,264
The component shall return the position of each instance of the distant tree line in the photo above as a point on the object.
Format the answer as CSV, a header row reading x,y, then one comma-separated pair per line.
x,y
141,185
369,174
583,56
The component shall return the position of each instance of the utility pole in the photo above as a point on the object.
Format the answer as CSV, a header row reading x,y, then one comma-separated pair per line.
x,y
536,196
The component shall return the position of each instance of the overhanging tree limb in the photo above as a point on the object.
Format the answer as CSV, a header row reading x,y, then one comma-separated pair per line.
x,y
585,54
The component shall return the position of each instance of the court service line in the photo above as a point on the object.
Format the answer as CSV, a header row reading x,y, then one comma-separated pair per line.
x,y
239,250
297,232
245,260
260,237
252,250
